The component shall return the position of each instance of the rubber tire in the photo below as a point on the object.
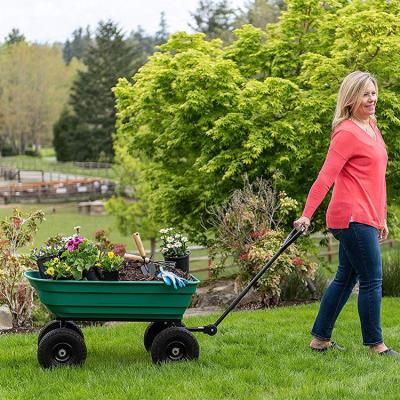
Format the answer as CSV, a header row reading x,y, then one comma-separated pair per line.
x,y
61,339
50,326
174,339
154,328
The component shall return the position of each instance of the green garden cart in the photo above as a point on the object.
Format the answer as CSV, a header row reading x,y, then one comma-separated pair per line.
x,y
61,341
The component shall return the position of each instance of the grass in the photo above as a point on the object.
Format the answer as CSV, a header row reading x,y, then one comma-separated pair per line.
x,y
257,355
51,165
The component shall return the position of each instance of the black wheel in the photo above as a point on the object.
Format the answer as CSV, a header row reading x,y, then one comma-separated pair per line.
x,y
50,326
60,347
154,328
174,344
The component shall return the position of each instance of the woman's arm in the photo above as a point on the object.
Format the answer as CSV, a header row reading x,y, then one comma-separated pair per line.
x,y
340,151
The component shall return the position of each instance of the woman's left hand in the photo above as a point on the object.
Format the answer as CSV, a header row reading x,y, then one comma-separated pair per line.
x,y
383,233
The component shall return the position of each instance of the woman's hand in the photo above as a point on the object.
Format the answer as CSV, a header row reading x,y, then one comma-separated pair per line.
x,y
302,221
384,233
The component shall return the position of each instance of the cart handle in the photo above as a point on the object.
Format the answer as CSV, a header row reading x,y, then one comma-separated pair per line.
x,y
212,329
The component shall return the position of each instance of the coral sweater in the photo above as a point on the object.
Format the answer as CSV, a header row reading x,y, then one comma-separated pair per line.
x,y
356,165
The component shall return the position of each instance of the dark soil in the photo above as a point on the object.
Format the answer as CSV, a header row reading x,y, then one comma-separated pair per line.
x,y
132,271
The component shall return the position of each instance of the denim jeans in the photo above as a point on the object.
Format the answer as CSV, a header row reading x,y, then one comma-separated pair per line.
x,y
359,259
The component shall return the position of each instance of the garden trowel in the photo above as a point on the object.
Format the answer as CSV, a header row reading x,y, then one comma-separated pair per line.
x,y
148,267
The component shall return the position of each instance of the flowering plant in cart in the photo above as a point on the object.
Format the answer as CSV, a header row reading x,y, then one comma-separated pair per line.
x,y
110,261
173,243
81,254
58,269
53,246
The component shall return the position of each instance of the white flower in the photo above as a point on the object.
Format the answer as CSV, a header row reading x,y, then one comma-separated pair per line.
x,y
184,239
170,239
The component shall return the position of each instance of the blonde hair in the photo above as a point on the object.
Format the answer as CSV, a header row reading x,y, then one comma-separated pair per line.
x,y
350,95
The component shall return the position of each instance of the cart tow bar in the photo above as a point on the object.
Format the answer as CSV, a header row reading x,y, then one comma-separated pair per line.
x,y
212,329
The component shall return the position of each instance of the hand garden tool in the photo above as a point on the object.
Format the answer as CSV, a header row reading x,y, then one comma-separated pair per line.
x,y
148,267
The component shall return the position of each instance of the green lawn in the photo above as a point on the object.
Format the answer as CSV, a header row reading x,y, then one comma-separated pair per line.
x,y
51,165
255,355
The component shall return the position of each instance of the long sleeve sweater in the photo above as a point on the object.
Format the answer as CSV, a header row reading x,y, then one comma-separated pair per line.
x,y
356,166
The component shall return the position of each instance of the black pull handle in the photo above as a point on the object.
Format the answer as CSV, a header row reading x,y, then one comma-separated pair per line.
x,y
293,235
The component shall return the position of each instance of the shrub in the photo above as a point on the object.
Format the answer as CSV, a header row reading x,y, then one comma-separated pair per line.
x,y
15,232
247,228
391,273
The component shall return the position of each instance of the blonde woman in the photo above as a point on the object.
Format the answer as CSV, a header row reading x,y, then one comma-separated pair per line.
x,y
356,216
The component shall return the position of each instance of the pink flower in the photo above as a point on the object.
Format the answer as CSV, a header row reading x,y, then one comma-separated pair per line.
x,y
74,242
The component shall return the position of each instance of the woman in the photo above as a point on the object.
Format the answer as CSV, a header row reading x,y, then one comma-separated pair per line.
x,y
356,216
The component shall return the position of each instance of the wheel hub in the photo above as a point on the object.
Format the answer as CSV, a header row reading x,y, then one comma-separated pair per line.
x,y
176,350
62,352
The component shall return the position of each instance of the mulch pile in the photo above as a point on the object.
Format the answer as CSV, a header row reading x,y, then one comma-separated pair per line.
x,y
132,272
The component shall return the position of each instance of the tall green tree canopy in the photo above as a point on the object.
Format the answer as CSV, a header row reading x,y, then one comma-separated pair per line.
x,y
92,100
200,116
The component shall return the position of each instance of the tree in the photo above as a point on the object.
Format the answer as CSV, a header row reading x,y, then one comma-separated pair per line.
x,y
204,116
143,45
214,19
161,35
34,86
15,36
259,13
78,46
92,100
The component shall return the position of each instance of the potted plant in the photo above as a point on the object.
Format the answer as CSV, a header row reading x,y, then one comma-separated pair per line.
x,y
53,247
81,255
174,248
58,269
110,265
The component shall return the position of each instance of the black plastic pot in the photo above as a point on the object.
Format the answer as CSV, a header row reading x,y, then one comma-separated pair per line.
x,y
42,269
93,274
110,276
181,262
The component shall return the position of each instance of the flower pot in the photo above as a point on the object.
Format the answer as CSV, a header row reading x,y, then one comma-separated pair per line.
x,y
93,274
110,276
42,269
181,262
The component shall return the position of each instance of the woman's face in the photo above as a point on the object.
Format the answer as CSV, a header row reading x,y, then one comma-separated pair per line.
x,y
368,102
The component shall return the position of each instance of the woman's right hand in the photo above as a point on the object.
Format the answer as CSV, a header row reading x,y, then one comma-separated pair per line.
x,y
302,221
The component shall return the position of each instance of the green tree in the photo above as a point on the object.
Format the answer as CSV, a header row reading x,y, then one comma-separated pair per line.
x,y
92,99
161,35
15,36
204,116
34,88
78,46
259,13
216,19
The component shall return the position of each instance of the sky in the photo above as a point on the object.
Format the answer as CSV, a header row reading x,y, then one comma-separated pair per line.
x,y
48,21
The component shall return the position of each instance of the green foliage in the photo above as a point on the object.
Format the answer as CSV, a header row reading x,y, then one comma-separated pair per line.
x,y
216,19
89,135
78,46
199,116
247,227
81,259
15,36
391,273
17,231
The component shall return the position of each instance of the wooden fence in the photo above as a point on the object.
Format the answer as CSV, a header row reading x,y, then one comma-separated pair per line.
x,y
55,190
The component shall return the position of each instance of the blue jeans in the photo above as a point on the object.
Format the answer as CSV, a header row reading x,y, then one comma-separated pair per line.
x,y
359,259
